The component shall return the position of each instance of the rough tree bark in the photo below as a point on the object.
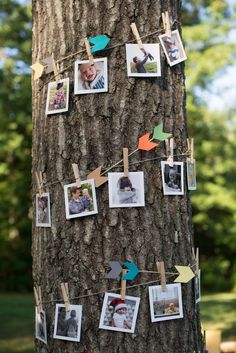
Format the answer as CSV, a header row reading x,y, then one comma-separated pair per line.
x,y
93,133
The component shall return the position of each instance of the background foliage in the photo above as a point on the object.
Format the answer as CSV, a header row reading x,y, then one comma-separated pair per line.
x,y
207,26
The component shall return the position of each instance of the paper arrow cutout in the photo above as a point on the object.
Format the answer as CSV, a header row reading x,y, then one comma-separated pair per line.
x,y
185,274
145,144
158,133
133,271
116,270
96,175
48,61
99,42
38,70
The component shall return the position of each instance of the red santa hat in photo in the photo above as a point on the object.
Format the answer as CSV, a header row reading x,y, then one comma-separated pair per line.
x,y
117,304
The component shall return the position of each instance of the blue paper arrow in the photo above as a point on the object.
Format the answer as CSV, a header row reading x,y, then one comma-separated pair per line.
x,y
116,269
133,271
99,42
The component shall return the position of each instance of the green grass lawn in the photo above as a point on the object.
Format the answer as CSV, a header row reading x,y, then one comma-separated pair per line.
x,y
17,319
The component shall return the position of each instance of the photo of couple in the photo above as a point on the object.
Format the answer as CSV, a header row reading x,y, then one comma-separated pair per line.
x,y
68,323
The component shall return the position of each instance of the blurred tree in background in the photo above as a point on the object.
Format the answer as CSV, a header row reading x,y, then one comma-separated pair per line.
x,y
206,33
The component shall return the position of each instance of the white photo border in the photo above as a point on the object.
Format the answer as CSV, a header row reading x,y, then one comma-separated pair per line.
x,y
58,111
78,309
44,326
172,63
194,168
197,283
163,164
40,224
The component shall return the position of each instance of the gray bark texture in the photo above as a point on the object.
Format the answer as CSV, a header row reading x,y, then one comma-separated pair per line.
x,y
91,134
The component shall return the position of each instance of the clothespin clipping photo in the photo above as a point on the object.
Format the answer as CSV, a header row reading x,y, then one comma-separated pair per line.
x,y
88,50
39,181
65,295
76,174
161,270
126,161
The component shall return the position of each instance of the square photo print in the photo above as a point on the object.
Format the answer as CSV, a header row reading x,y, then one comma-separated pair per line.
x,y
43,216
172,178
173,48
165,305
80,202
68,323
126,191
191,174
40,326
119,315
197,287
91,78
58,97
143,62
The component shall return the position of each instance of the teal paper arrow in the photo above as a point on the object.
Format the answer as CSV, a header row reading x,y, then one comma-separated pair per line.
x,y
99,42
158,133
133,271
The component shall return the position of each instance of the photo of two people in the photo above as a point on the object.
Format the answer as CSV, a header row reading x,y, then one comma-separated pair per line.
x,y
68,323
43,215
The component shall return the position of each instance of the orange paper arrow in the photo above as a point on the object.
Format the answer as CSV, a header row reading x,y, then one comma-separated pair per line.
x,y
96,175
145,144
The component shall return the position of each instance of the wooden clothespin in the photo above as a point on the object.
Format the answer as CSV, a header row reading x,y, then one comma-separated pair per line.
x,y
137,36
196,258
39,180
126,161
170,151
38,298
191,149
76,173
161,270
123,285
65,294
166,23
88,49
55,70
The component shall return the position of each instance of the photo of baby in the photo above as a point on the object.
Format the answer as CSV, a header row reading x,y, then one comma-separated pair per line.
x,y
81,201
43,217
165,305
68,323
40,326
91,78
57,97
173,48
117,314
143,62
191,174
172,178
126,191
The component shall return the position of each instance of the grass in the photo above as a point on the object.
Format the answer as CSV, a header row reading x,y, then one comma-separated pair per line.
x,y
150,67
17,319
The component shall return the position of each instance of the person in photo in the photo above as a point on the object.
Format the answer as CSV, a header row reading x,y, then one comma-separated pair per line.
x,y
91,76
171,309
76,204
60,99
71,326
127,193
42,210
173,183
61,323
86,199
119,318
139,62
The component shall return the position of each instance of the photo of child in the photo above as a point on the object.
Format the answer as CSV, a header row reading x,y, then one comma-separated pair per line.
x,y
81,201
126,191
191,174
57,97
40,326
172,178
119,315
43,216
165,305
68,323
173,48
91,78
143,62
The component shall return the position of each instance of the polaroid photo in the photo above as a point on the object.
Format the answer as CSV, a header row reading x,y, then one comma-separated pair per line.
x,y
81,201
191,174
43,213
172,178
58,97
197,287
119,315
91,78
68,323
126,191
143,62
165,305
40,326
173,48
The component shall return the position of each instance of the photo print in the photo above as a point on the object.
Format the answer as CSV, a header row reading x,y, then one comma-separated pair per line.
x,y
68,323
191,174
43,216
81,201
126,191
172,178
40,326
58,97
173,48
143,62
91,78
165,305
119,315
197,287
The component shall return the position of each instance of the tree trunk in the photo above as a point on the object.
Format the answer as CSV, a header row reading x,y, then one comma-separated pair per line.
x,y
93,133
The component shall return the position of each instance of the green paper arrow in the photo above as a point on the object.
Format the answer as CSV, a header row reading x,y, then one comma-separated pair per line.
x,y
158,133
